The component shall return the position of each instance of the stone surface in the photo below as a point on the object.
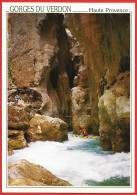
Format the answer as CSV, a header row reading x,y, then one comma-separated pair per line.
x,y
19,117
16,139
10,151
104,41
80,110
114,115
22,181
39,62
64,94
24,173
46,128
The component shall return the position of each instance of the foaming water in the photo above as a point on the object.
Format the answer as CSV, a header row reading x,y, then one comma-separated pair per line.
x,y
79,161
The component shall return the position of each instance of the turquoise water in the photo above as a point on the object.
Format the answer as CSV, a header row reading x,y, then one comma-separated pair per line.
x,y
90,145
82,162
113,181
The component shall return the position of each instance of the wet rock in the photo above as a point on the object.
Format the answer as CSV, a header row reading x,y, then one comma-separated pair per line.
x,y
24,173
46,128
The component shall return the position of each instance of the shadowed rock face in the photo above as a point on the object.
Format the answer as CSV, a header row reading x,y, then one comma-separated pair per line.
x,y
104,40
24,173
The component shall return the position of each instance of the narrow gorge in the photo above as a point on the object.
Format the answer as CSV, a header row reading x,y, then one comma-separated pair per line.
x,y
71,72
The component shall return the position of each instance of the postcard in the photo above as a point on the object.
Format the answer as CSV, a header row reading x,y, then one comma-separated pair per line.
x,y
68,97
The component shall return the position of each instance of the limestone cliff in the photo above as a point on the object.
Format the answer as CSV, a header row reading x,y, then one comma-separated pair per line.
x,y
38,55
104,40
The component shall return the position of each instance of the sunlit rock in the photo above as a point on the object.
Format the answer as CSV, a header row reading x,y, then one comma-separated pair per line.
x,y
114,115
46,128
19,117
24,173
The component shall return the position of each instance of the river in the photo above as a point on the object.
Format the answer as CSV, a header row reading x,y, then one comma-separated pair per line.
x,y
79,161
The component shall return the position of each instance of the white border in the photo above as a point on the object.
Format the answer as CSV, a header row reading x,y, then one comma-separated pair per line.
x,y
75,7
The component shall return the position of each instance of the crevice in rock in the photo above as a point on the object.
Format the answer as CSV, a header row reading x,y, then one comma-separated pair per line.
x,y
124,64
54,77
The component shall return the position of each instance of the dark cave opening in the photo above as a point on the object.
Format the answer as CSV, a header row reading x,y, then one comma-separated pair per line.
x,y
54,77
71,73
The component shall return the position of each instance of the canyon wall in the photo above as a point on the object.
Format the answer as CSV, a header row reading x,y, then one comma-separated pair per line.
x,y
75,68
38,57
104,40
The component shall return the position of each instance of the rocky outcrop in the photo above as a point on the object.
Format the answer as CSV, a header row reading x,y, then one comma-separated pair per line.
x,y
46,128
80,110
24,173
38,53
18,122
114,115
26,126
16,139
19,117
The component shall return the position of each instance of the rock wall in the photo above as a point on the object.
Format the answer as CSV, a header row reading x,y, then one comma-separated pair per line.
x,y
104,40
114,115
38,55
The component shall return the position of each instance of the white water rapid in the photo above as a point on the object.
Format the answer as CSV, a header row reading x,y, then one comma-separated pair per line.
x,y
76,160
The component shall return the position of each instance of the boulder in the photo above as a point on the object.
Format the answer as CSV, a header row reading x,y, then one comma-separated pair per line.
x,y
24,173
25,182
16,140
46,128
19,117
